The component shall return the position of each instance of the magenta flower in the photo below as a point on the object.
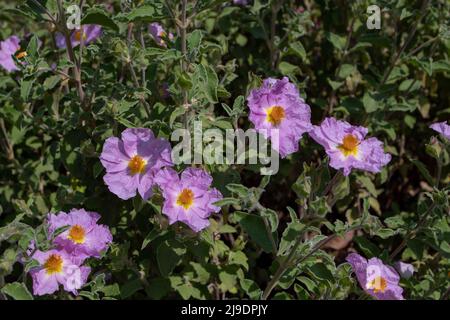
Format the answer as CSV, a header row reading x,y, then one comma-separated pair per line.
x,y
84,238
277,110
406,270
159,34
131,162
89,32
240,2
347,147
8,48
376,278
188,199
443,128
57,268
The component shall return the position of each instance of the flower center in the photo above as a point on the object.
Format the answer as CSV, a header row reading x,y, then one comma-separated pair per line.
x,y
76,234
185,198
78,34
349,145
137,165
378,284
53,264
275,115
21,54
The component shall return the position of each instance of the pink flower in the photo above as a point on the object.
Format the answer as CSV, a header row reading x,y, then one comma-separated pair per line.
x,y
276,107
84,237
188,198
348,147
56,268
8,48
132,161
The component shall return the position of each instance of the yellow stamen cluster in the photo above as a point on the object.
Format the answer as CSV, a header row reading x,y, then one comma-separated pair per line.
x,y
275,115
137,165
78,34
21,54
53,264
185,198
77,234
378,284
349,145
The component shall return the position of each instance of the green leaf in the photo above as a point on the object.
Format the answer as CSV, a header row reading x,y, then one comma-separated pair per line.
x,y
346,70
290,235
98,16
299,50
255,228
205,83
286,68
17,291
239,258
168,254
130,287
321,272
272,217
25,88
32,48
385,233
335,84
370,104
152,235
146,13
423,170
368,185
194,39
175,114
226,201
337,41
251,288
51,82
368,248
238,189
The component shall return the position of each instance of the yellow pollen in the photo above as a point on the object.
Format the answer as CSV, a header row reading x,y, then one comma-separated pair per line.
x,y
275,115
136,165
78,35
185,198
378,284
21,54
349,145
53,264
76,234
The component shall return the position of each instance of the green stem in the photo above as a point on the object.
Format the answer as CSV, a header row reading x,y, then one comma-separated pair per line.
x,y
286,263
184,64
70,53
332,182
412,233
405,45
260,208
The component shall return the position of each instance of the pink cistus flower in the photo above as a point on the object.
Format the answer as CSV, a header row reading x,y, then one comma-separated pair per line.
x,y
240,2
8,48
56,268
277,105
84,237
347,147
159,34
131,162
188,198
377,279
443,128
406,270
89,33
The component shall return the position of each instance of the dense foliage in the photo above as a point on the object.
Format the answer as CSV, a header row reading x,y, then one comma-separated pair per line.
x,y
284,236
